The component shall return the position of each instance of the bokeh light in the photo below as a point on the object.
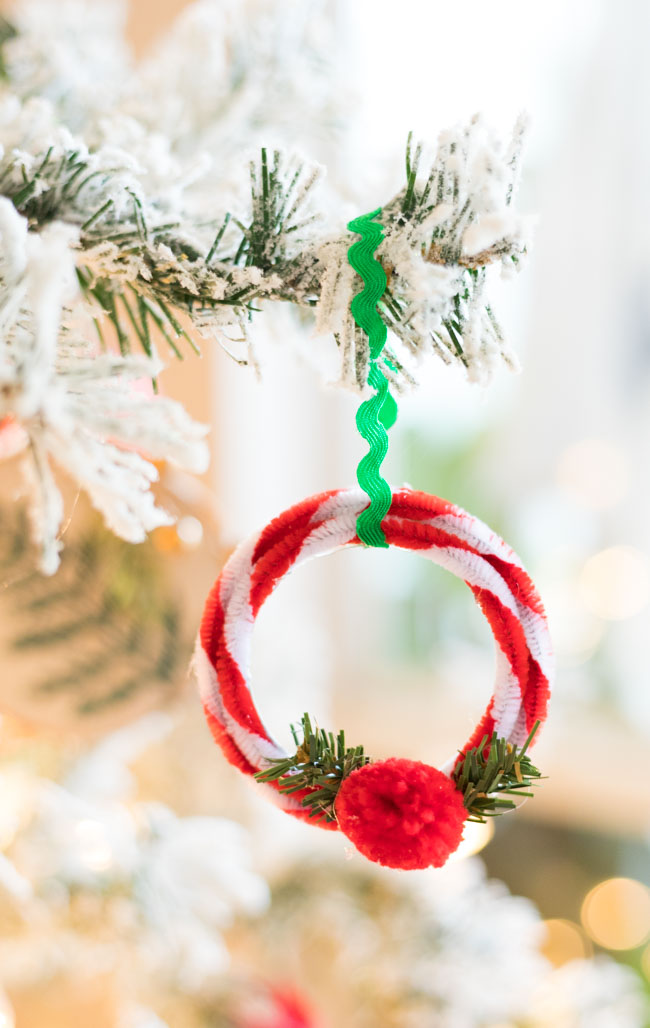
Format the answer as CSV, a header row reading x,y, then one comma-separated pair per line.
x,y
165,539
594,473
616,913
475,837
564,941
7,1019
16,794
190,531
577,633
614,584
94,848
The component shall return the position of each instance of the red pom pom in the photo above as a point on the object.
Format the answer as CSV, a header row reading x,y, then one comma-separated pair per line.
x,y
401,813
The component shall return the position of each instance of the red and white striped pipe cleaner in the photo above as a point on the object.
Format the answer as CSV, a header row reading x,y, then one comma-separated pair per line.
x,y
322,524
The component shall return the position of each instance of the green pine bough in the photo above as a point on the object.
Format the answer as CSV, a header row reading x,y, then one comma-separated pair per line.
x,y
151,266
320,764
493,770
488,773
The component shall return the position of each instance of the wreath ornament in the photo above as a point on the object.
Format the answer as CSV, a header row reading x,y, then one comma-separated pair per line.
x,y
397,812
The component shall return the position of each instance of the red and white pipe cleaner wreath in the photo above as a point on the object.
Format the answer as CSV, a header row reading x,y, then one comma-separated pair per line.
x,y
400,813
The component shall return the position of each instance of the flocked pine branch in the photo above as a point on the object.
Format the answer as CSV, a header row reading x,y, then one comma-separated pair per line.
x,y
133,179
60,399
141,261
110,234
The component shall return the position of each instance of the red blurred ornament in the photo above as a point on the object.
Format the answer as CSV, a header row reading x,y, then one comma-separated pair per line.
x,y
13,437
286,1009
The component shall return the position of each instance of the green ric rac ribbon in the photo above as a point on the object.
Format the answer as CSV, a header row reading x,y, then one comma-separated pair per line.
x,y
380,411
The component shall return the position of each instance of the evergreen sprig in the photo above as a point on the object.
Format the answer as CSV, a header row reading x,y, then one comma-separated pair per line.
x,y
493,770
279,191
142,263
320,764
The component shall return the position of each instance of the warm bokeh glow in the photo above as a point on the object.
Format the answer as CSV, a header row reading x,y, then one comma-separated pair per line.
x,y
594,473
166,539
7,1019
576,632
16,803
94,849
564,941
190,531
475,838
614,583
616,913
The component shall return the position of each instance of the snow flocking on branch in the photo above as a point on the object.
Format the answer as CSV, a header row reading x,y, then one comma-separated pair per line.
x,y
116,234
446,231
70,401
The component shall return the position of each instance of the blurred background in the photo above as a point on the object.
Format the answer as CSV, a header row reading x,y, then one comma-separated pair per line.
x,y
142,883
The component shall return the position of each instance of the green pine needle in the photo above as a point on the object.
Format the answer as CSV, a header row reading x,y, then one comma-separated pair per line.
x,y
320,764
491,771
